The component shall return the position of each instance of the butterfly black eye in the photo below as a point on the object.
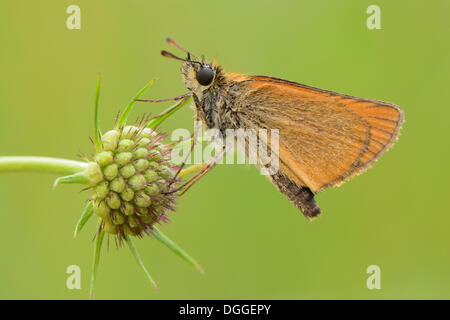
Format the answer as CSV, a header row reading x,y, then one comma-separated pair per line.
x,y
205,75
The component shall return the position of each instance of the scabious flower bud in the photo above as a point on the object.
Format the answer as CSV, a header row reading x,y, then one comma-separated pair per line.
x,y
131,177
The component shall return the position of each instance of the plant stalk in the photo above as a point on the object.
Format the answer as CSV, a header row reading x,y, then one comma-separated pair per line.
x,y
41,164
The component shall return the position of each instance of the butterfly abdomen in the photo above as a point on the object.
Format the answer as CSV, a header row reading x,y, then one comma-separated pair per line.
x,y
301,197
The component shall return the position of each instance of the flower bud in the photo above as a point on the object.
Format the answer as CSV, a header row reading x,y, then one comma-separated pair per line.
x,y
101,209
94,173
117,185
102,189
137,182
127,171
111,171
104,158
110,140
113,200
141,164
125,145
123,158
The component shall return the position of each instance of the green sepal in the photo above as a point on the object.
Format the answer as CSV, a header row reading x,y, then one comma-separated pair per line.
x,y
139,261
96,259
79,177
87,213
189,142
123,117
175,248
159,119
97,132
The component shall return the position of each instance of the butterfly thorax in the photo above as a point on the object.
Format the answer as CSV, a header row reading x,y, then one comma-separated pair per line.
x,y
214,102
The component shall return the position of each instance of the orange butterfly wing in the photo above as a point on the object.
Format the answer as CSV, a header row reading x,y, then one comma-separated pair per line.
x,y
325,137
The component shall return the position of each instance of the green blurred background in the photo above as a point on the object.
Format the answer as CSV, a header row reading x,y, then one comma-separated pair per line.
x,y
252,242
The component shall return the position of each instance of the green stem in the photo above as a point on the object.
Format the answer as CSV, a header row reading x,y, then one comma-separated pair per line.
x,y
41,164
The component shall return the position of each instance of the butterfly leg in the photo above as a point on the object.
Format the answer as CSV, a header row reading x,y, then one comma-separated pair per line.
x,y
204,170
193,142
197,177
183,96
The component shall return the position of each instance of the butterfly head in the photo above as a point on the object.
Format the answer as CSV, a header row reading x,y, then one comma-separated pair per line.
x,y
198,75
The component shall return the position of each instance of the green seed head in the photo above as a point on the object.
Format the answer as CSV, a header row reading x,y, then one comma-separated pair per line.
x,y
131,177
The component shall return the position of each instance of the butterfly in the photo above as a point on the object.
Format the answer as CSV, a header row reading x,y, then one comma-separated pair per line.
x,y
325,138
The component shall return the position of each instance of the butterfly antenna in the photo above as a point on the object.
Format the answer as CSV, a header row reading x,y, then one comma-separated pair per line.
x,y
176,45
170,55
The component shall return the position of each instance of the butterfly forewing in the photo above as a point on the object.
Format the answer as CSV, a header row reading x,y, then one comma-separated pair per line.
x,y
325,137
